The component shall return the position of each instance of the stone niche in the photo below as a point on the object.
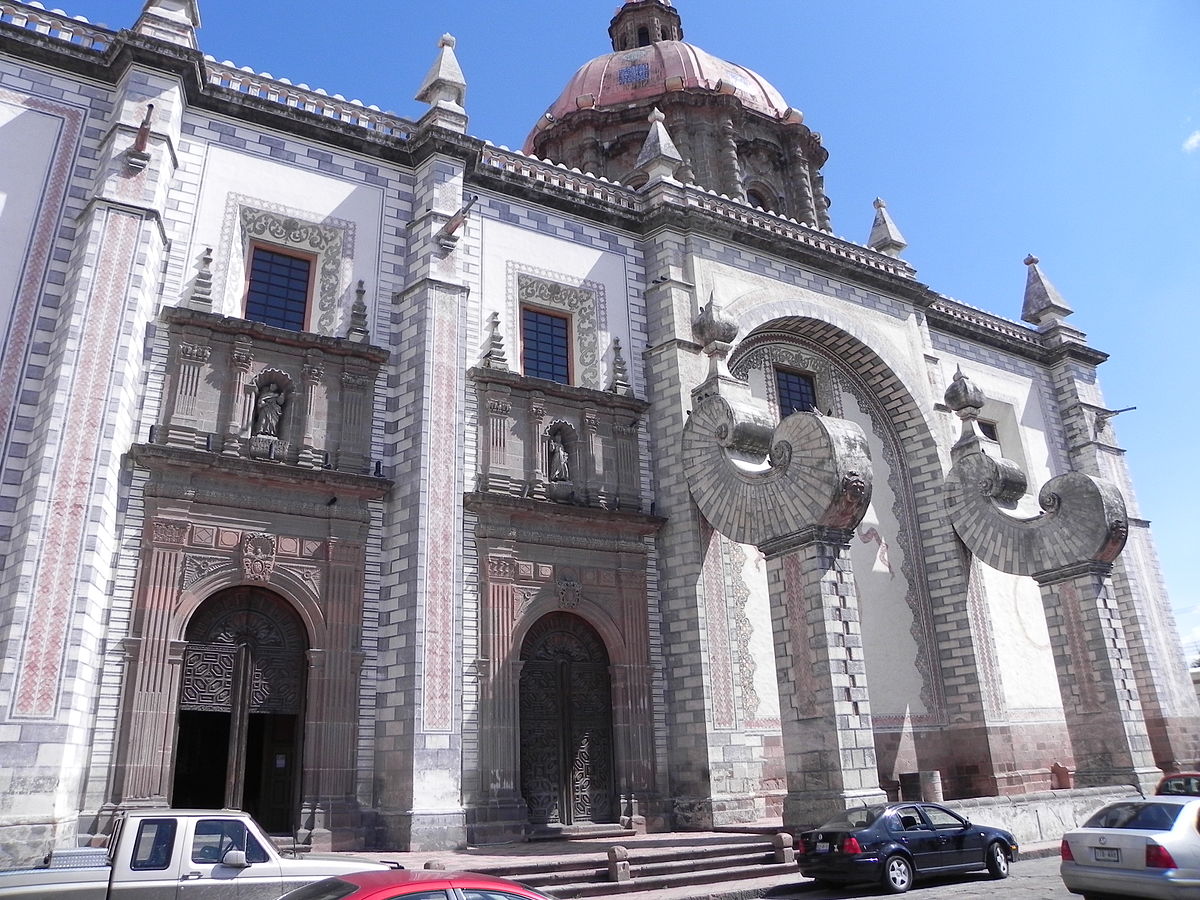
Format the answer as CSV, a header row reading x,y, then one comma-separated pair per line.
x,y
243,389
545,441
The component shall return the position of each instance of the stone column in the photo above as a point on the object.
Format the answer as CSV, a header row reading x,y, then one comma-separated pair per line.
x,y
152,681
313,369
354,433
628,474
801,189
1096,678
495,471
535,457
501,813
731,164
239,415
593,487
181,423
829,744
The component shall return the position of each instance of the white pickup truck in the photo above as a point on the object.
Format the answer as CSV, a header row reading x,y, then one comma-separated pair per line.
x,y
175,854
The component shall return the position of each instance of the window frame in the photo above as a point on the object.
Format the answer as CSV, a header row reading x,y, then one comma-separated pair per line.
x,y
553,313
313,261
786,370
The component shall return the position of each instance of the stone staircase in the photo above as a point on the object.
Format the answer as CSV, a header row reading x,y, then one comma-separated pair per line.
x,y
754,863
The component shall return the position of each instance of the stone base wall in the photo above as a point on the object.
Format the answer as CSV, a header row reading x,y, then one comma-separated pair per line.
x,y
1041,817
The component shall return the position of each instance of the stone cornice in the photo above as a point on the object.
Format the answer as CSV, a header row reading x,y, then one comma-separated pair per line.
x,y
959,319
579,395
193,318
275,479
514,518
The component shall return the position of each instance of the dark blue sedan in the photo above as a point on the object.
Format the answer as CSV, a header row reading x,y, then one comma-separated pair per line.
x,y
895,843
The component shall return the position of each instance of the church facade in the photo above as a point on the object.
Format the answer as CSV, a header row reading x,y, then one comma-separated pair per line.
x,y
411,492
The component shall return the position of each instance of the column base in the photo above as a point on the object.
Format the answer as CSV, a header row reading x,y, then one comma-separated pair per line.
x,y
1142,779
410,831
498,820
331,825
803,810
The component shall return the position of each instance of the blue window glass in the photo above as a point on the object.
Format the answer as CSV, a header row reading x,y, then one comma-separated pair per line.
x,y
278,292
544,346
796,392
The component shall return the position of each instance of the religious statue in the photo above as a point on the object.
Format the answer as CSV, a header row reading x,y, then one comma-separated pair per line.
x,y
268,410
559,460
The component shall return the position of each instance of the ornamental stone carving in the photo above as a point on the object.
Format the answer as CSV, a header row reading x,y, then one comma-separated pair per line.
x,y
258,556
1082,518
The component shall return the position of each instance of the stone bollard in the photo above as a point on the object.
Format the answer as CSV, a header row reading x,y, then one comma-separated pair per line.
x,y
434,864
785,847
618,864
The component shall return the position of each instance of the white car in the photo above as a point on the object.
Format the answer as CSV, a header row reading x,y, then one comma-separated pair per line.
x,y
1140,847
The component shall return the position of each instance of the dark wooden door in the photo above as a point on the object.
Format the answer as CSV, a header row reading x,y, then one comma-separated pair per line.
x,y
566,724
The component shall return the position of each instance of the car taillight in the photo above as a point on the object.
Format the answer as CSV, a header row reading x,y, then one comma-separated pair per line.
x,y
1157,857
801,847
1064,850
850,844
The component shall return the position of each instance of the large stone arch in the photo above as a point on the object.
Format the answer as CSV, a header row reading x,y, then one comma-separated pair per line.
x,y
909,448
299,594
890,387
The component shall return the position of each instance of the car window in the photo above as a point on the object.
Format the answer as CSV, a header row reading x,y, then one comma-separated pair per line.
x,y
943,818
152,849
1188,785
1149,816
216,837
479,894
910,818
420,895
858,817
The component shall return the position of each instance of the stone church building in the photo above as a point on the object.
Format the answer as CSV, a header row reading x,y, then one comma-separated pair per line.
x,y
412,492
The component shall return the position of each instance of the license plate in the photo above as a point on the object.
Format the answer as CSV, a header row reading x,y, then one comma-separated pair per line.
x,y
1106,854
822,846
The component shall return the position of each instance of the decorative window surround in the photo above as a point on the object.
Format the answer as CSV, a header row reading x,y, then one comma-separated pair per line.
x,y
330,241
583,300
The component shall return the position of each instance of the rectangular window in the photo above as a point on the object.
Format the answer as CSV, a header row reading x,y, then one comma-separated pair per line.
x,y
545,346
796,392
279,289
155,840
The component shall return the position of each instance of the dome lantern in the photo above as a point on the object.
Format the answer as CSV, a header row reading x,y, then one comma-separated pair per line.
x,y
640,23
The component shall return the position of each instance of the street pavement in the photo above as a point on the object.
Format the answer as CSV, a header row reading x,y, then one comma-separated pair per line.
x,y
1029,879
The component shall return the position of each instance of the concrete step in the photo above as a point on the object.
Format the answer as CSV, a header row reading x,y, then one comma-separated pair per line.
x,y
749,878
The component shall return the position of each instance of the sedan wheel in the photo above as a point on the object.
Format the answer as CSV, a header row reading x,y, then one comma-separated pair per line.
x,y
997,860
897,875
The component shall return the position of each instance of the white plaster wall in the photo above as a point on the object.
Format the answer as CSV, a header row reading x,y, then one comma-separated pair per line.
x,y
1018,619
551,258
311,195
22,187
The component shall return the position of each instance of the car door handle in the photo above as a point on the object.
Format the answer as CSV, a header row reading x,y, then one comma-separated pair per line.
x,y
190,875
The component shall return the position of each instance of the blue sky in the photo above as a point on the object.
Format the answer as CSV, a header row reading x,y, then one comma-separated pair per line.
x,y
1070,129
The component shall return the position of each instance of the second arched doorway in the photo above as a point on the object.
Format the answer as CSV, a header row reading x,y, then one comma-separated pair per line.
x,y
241,707
567,775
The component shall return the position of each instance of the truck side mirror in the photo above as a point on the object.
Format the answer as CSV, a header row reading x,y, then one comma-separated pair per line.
x,y
235,859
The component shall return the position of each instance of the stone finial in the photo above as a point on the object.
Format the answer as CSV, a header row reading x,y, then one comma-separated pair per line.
x,y
962,395
659,157
494,358
358,317
444,86
201,296
619,384
885,236
712,325
1044,305
173,21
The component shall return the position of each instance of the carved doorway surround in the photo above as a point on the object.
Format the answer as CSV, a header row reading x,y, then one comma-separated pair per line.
x,y
241,707
566,707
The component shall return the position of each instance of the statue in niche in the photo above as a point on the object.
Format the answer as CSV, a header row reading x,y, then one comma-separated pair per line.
x,y
268,410
559,459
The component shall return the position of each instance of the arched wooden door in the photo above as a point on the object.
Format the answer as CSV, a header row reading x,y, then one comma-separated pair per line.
x,y
241,707
566,724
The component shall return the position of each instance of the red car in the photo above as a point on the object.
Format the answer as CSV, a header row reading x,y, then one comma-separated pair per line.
x,y
430,884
